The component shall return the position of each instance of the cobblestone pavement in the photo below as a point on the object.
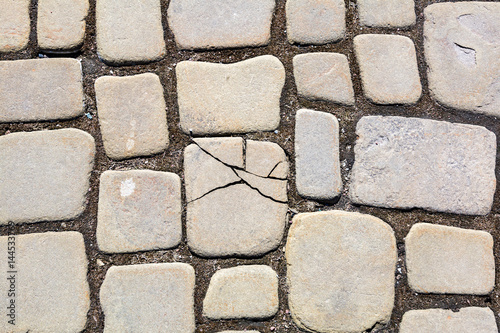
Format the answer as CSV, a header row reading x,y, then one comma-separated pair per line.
x,y
249,165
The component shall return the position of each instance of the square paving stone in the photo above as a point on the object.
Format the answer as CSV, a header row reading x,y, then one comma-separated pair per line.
x,y
14,25
387,13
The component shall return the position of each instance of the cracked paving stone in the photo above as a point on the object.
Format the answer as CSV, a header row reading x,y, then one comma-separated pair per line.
x,y
435,165
340,271
14,25
462,48
387,13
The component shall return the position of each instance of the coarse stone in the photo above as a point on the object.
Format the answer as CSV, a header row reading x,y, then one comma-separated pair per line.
x,y
44,175
462,48
266,159
434,165
40,89
249,291
208,24
239,332
449,260
132,115
139,210
230,98
149,298
50,282
388,67
340,271
226,150
14,25
317,164
387,13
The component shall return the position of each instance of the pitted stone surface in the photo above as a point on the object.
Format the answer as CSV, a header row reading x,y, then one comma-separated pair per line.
x,y
388,67
340,271
132,115
44,175
230,98
14,25
207,24
40,89
164,291
51,288
387,13
462,48
435,165
242,292
449,260
139,210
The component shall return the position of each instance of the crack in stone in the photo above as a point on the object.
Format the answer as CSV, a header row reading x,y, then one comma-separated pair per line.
x,y
217,188
466,55
274,168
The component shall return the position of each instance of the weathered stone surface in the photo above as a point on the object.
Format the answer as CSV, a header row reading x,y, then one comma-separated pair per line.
x,y
14,25
388,67
227,150
462,48
315,21
340,271
317,164
387,13
149,298
449,260
266,159
230,98
129,31
204,24
242,292
50,279
139,210
44,175
435,165
132,115
239,331
40,89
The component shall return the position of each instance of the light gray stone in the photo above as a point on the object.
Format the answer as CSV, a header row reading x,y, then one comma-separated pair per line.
x,y
230,98
207,24
132,115
44,175
239,331
149,298
242,292
266,159
387,13
340,271
388,67
449,260
40,89
434,165
50,283
14,25
462,48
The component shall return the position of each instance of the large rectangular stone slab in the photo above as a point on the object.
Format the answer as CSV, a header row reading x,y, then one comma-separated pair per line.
x,y
14,25
387,13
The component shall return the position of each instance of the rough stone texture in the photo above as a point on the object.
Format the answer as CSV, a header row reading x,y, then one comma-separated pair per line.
x,y
242,292
139,210
51,288
435,165
129,31
462,48
467,320
14,25
388,67
449,260
40,89
340,271
315,21
239,331
386,13
317,164
44,175
323,76
204,24
230,98
149,298
132,115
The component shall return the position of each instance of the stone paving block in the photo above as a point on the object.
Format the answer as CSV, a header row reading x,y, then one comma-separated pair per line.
x,y
14,25
208,24
340,271
317,163
40,89
149,298
49,283
315,21
323,76
129,31
44,175
139,210
388,67
462,48
230,98
266,159
387,13
249,291
435,165
448,260
132,115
